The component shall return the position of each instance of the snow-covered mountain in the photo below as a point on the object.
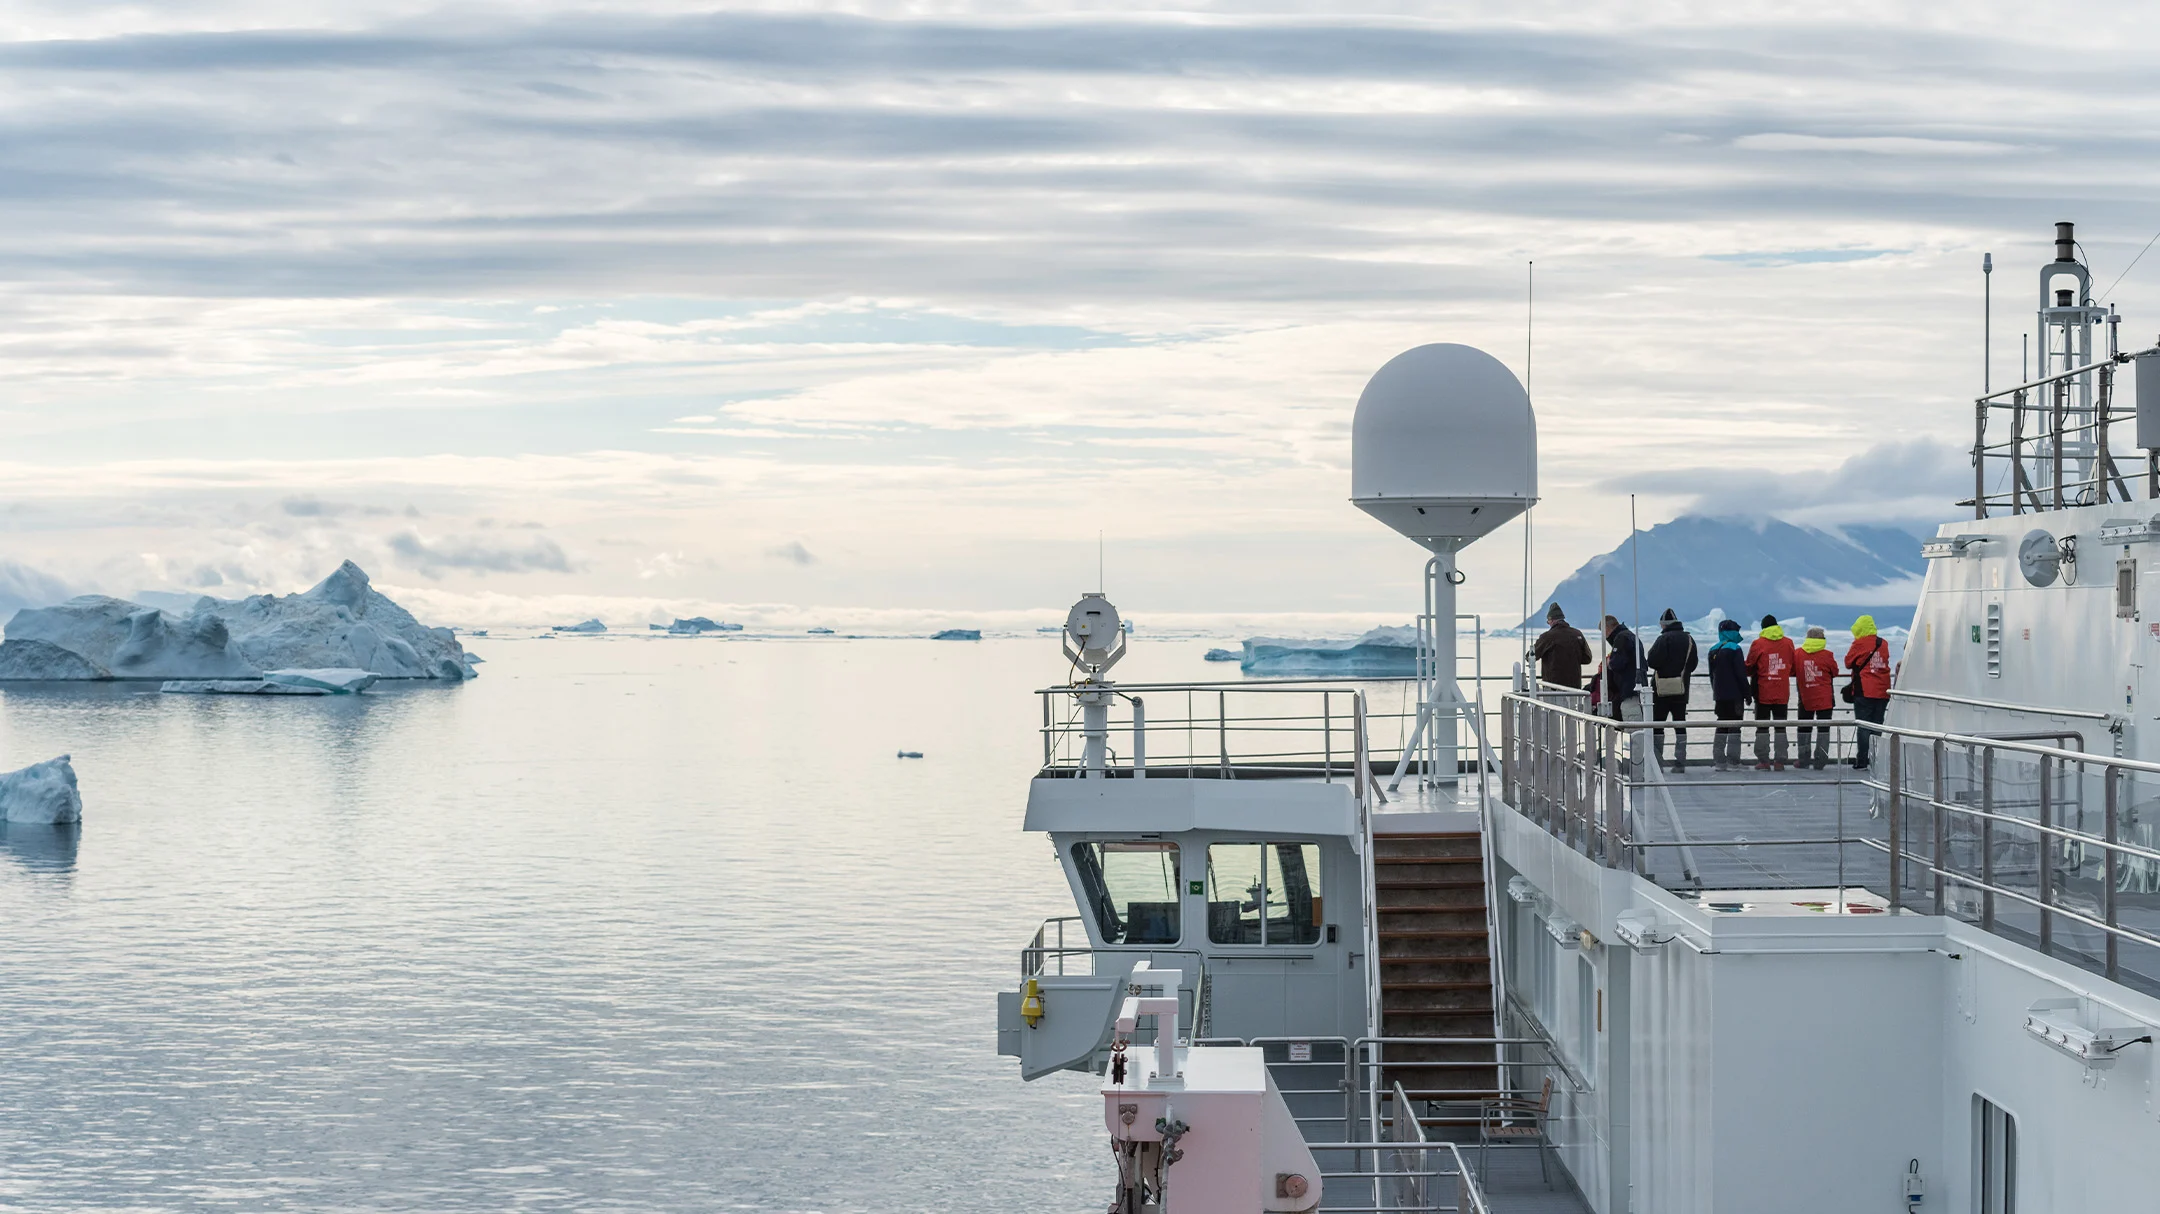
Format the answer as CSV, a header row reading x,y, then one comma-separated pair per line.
x,y
1747,568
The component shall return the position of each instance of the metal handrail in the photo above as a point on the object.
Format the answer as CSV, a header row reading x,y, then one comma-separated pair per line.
x,y
1559,772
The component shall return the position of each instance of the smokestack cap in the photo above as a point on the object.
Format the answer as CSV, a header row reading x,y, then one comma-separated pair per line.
x,y
2066,241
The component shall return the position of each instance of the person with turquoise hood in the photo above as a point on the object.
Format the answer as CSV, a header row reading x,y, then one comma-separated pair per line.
x,y
1869,661
1728,693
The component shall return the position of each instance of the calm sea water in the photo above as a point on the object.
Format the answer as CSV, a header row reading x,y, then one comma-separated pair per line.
x,y
623,925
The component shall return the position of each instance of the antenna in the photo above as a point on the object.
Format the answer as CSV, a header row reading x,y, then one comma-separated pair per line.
x,y
1987,320
1529,330
1634,565
1099,587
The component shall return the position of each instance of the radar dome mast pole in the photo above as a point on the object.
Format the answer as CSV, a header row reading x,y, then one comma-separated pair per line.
x,y
1443,449
1094,641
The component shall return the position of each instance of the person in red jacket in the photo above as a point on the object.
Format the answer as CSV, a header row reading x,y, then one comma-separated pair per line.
x,y
1869,660
1770,663
1818,672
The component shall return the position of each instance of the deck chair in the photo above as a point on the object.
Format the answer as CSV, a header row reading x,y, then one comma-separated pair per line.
x,y
1513,1120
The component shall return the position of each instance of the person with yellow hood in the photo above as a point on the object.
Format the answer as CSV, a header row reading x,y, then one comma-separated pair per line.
x,y
1869,691
1770,663
1818,696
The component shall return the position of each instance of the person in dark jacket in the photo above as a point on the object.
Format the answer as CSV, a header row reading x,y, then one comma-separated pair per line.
x,y
1561,651
1623,671
1728,693
1672,661
1869,661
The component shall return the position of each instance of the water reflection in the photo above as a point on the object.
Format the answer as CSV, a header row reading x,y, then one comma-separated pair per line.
x,y
41,848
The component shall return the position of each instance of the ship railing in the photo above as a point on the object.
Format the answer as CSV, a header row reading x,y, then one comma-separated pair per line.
x,y
1048,952
1400,1170
1256,729
2058,451
2026,835
1290,729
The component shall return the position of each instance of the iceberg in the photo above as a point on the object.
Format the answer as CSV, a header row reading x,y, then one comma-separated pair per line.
x,y
337,680
130,641
957,634
342,622
592,625
45,660
821,632
1219,655
697,624
238,687
1382,652
42,793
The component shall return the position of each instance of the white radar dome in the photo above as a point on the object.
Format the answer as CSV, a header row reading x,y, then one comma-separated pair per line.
x,y
1444,446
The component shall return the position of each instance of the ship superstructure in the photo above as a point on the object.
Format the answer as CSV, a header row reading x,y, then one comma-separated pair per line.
x,y
1486,953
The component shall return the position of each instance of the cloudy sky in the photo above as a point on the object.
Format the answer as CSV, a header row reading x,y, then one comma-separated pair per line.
x,y
637,307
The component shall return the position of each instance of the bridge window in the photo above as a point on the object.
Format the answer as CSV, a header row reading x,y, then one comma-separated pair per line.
x,y
1131,890
1264,893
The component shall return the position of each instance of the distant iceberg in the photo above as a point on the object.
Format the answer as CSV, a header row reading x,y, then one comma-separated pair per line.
x,y
821,632
341,622
1383,653
957,634
592,625
1219,655
42,793
697,624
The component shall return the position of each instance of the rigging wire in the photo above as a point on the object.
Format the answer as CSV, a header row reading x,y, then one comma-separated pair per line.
x,y
2133,265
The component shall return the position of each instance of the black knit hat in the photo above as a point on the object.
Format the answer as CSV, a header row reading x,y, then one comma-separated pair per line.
x,y
1554,613
1769,620
1724,625
1670,617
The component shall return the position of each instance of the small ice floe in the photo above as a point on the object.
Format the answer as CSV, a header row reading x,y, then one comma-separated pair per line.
x,y
340,680
41,793
1221,655
957,634
237,687
910,754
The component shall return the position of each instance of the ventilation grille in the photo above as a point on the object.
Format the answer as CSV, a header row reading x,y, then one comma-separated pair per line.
x,y
1994,640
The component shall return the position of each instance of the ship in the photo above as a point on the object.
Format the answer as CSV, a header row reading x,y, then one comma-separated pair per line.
x,y
1490,953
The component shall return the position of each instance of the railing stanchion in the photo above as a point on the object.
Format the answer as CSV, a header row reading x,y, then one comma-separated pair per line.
x,y
1938,858
2107,892
1139,738
1222,732
2045,852
1895,812
1987,838
1327,736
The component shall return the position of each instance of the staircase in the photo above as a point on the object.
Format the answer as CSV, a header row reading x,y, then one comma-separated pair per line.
x,y
1435,971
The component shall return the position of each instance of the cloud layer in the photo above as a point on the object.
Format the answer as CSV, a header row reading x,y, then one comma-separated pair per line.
x,y
937,298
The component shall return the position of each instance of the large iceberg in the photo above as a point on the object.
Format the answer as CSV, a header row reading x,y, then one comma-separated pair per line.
x,y
341,623
1383,652
127,641
42,793
592,625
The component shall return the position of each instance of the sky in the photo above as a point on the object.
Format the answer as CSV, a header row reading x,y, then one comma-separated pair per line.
x,y
886,312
